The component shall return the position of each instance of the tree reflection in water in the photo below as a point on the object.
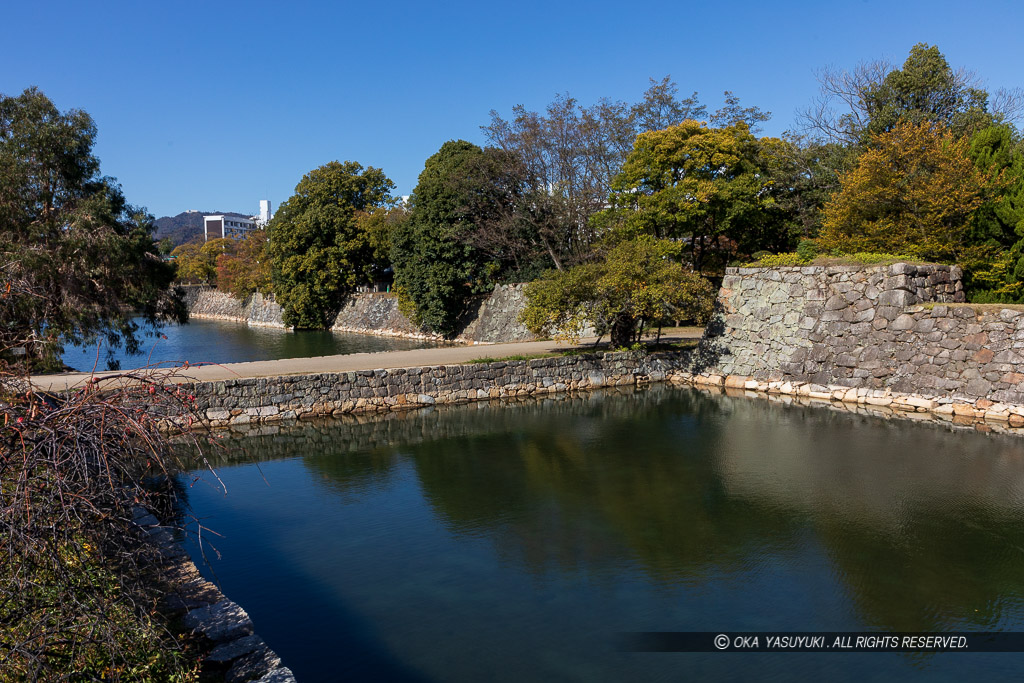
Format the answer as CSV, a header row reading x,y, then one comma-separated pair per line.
x,y
923,528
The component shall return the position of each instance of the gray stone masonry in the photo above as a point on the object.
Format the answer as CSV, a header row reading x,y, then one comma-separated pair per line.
x,y
256,310
897,327
885,335
491,319
234,649
268,399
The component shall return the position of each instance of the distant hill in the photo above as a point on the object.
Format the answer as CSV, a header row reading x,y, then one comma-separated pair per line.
x,y
186,226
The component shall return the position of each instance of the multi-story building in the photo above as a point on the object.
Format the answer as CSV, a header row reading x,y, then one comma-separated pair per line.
x,y
224,225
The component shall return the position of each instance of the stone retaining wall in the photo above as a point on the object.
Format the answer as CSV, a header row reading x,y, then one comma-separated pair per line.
x,y
491,319
212,304
497,319
894,335
233,652
376,314
243,401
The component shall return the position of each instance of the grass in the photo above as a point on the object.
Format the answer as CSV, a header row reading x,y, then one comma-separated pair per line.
x,y
859,259
977,307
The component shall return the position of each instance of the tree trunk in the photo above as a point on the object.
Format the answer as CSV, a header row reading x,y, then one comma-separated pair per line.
x,y
622,332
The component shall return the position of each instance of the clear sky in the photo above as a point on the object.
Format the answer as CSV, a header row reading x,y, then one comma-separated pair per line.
x,y
216,105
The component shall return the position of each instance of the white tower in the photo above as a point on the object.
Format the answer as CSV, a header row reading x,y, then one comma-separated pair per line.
x,y
265,214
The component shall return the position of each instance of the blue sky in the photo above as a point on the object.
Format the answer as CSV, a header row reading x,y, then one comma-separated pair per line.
x,y
216,105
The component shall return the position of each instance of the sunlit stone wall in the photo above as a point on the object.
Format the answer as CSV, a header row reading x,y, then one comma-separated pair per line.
x,y
900,328
490,319
265,399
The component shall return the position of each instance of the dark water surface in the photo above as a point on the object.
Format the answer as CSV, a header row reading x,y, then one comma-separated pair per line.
x,y
515,542
215,341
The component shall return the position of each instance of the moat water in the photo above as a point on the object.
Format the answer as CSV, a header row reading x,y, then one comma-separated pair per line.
x,y
517,542
215,341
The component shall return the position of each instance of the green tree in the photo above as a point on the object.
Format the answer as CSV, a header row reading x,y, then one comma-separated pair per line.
x,y
318,252
852,107
567,157
640,282
801,176
914,192
926,89
78,262
998,224
701,185
436,266
379,226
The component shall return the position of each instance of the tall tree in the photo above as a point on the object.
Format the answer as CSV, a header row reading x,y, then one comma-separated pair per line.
x,y
913,192
77,261
436,265
196,261
998,224
855,105
701,185
245,269
317,249
732,113
569,156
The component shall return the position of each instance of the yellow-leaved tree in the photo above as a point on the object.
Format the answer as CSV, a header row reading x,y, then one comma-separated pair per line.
x,y
913,192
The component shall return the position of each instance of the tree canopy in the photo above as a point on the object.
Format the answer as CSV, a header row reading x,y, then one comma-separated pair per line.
x,y
569,156
78,262
319,252
913,192
855,105
246,268
697,184
638,283
436,265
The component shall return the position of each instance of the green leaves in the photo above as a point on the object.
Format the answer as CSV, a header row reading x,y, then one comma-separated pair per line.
x,y
436,266
693,183
319,249
640,282
78,262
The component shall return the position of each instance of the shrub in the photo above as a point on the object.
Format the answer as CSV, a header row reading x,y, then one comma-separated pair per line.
x,y
77,585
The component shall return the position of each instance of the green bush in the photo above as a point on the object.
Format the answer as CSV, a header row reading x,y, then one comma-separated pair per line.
x,y
807,250
778,261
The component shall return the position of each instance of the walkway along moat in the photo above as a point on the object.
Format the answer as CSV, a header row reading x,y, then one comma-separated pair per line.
x,y
889,337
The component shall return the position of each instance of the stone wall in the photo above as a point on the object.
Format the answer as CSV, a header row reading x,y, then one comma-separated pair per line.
x,y
491,319
256,310
242,401
896,331
497,319
376,313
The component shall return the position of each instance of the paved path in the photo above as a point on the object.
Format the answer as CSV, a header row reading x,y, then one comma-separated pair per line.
x,y
445,355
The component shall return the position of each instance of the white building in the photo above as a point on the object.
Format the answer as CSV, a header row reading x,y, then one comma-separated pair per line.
x,y
215,227
265,213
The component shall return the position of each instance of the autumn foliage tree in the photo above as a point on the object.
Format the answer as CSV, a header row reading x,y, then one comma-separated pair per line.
x,y
196,261
245,269
913,192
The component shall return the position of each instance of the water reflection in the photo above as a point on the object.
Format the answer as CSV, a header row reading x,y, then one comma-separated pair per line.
x,y
752,515
215,341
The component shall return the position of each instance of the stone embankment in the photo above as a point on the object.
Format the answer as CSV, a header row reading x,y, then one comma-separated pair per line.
x,y
490,319
266,399
211,304
894,337
234,650
889,338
